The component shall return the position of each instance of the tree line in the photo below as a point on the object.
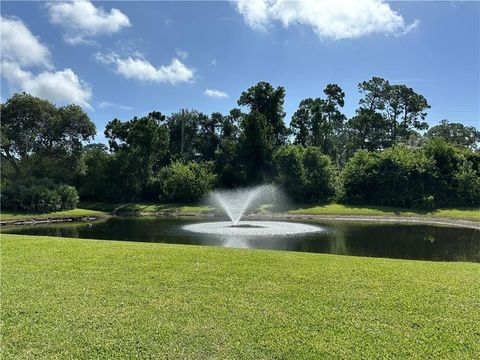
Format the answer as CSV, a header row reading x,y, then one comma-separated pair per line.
x,y
378,156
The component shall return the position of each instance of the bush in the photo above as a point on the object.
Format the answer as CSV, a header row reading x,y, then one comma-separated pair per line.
x,y
397,176
187,182
457,174
467,181
305,173
38,195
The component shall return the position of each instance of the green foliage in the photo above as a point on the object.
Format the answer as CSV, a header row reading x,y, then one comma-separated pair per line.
x,y
140,148
187,182
396,165
305,173
436,175
264,99
467,181
184,134
40,139
455,134
397,176
38,195
392,110
319,122
256,146
95,181
457,174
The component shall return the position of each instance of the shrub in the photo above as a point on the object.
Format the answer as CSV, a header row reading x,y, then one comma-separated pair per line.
x,y
457,174
38,195
305,173
186,182
467,181
397,176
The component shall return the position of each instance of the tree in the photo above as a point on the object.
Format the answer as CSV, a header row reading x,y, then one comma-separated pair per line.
x,y
40,139
267,101
183,128
256,147
97,180
368,130
305,173
140,148
306,123
208,137
291,171
397,176
455,133
401,108
319,122
228,164
186,182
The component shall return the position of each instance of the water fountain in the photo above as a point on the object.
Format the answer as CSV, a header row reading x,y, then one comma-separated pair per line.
x,y
235,203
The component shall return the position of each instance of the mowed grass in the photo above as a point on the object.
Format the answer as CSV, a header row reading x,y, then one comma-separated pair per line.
x,y
147,208
72,298
11,215
339,209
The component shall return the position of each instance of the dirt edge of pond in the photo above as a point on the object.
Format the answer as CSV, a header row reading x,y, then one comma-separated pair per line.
x,y
53,220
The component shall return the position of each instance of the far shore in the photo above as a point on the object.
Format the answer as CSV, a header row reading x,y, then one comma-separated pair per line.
x,y
332,212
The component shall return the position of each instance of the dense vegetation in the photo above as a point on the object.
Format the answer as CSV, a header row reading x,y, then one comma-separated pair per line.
x,y
383,155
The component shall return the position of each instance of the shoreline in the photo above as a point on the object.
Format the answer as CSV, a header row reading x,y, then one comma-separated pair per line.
x,y
52,220
432,220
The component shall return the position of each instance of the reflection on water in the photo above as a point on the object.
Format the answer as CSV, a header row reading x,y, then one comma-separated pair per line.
x,y
406,241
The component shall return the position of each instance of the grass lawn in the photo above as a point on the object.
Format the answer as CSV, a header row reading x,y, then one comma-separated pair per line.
x,y
10,215
338,209
144,207
72,298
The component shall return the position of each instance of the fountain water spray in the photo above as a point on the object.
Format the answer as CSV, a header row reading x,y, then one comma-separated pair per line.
x,y
236,202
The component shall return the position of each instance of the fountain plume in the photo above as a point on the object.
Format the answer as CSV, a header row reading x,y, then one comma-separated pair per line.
x,y
236,202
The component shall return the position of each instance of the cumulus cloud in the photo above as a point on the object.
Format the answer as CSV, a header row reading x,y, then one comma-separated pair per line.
x,y
330,19
215,93
19,45
82,20
20,49
59,86
140,69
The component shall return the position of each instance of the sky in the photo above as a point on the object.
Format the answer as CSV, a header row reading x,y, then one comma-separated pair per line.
x,y
125,59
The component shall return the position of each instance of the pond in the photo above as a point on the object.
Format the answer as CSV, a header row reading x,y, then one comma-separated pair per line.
x,y
389,240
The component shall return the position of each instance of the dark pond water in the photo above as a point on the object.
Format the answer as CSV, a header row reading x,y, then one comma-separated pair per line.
x,y
412,241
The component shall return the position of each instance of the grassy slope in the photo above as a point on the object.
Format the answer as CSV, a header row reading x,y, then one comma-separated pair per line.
x,y
338,209
329,209
72,298
144,207
8,215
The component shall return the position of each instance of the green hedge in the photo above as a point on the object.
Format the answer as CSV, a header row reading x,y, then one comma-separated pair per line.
x,y
38,195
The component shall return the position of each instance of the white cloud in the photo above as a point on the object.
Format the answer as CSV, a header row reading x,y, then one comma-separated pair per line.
x,y
59,86
19,45
83,20
330,19
140,69
20,49
215,93
181,54
107,104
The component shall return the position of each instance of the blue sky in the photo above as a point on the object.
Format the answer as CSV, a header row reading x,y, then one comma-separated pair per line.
x,y
164,56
